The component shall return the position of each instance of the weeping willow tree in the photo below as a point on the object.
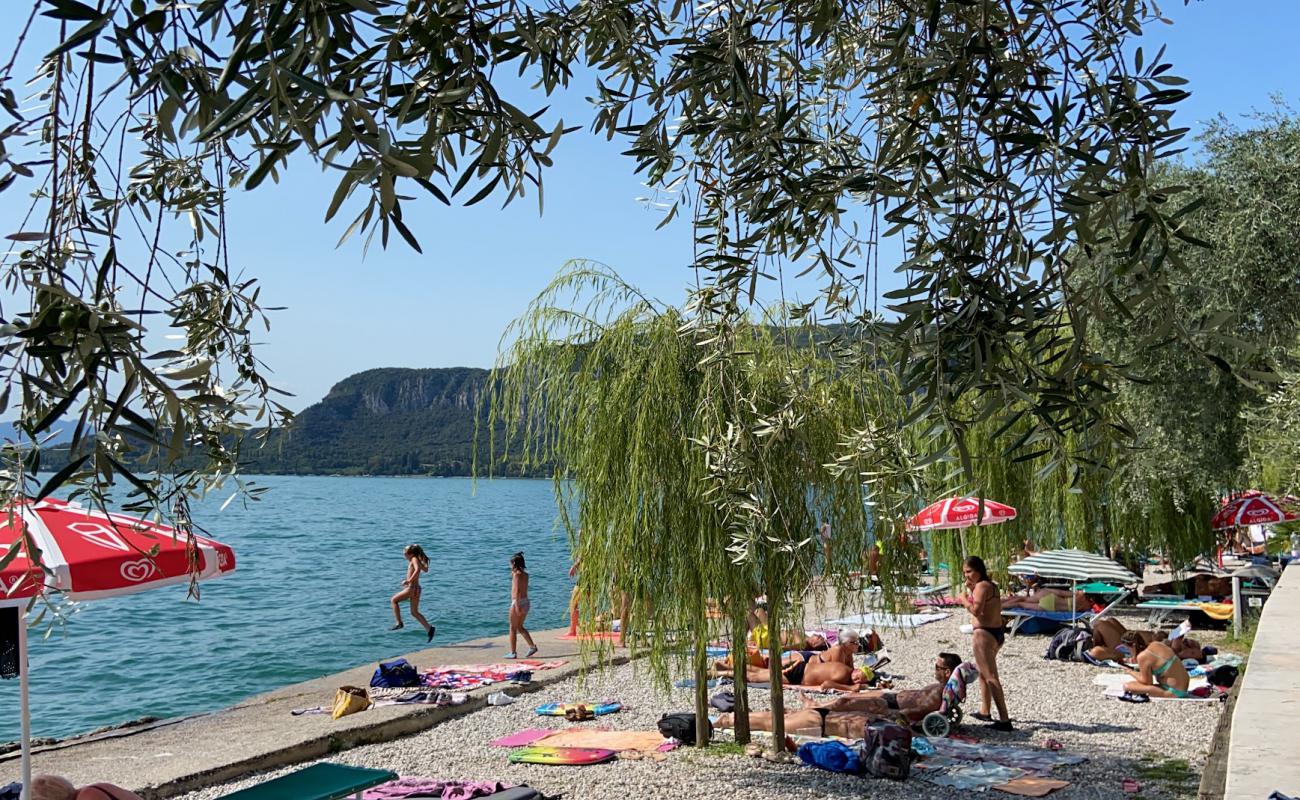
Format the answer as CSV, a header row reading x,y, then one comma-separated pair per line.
x,y
694,457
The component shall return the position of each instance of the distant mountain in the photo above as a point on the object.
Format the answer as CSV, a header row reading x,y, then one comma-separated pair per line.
x,y
382,422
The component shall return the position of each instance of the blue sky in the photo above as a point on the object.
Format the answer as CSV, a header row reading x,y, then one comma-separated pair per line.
x,y
481,265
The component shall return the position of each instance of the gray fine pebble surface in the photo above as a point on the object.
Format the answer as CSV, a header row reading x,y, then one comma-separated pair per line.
x,y
1047,699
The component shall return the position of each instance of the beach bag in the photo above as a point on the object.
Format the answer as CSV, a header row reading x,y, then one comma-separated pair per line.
x,y
887,751
349,700
396,674
1069,644
681,726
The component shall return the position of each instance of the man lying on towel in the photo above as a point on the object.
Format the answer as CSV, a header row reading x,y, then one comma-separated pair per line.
x,y
848,716
831,668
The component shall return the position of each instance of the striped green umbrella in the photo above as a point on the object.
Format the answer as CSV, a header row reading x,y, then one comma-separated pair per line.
x,y
1074,565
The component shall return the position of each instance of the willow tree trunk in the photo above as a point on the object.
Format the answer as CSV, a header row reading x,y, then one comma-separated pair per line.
x,y
702,725
774,664
739,666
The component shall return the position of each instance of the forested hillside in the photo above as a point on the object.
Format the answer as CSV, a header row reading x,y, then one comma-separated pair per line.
x,y
382,422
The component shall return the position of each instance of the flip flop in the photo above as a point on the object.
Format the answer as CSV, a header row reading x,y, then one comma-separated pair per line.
x,y
1052,744
1131,786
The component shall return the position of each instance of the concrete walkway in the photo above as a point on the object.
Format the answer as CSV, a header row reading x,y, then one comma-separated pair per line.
x,y
176,756
1263,752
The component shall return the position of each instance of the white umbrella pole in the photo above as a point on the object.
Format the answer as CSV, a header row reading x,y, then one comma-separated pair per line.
x,y
1236,606
23,708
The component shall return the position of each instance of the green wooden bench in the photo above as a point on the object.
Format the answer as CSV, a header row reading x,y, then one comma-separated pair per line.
x,y
323,781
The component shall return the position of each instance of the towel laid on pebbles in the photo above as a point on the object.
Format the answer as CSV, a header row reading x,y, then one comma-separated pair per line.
x,y
1114,687
434,788
1025,758
901,621
618,741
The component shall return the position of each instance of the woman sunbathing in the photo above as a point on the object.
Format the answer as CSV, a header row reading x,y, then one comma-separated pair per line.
x,y
1159,672
1041,598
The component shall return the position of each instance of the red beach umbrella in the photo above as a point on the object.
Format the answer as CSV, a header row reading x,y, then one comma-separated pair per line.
x,y
89,554
960,512
1256,508
86,554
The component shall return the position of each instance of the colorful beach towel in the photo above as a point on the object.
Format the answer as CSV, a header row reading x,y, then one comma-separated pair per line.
x,y
473,676
954,691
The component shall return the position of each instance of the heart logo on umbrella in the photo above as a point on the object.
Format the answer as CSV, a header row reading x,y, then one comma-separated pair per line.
x,y
137,571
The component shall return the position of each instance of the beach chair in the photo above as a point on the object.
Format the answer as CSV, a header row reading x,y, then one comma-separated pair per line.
x,y
324,781
1020,616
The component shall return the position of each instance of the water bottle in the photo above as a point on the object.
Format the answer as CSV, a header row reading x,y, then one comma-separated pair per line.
x,y
1295,547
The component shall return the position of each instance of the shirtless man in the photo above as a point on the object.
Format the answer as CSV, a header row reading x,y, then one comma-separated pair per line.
x,y
847,716
985,607
812,670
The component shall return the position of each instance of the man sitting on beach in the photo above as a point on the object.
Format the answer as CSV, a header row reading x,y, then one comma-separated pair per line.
x,y
848,716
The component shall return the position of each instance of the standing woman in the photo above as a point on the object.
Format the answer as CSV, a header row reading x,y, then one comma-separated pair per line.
x,y
519,606
985,606
417,562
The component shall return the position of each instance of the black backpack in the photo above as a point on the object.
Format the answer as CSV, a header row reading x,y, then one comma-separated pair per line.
x,y
395,674
681,726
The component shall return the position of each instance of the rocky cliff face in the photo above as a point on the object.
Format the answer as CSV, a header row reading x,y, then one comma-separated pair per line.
x,y
388,391
385,422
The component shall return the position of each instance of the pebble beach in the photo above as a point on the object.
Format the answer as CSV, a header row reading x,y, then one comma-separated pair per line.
x,y
1161,745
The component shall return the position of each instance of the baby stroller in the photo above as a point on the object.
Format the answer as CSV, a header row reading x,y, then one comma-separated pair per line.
x,y
940,723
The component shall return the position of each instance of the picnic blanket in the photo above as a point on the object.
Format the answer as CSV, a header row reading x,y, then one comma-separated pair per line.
x,y
433,787
472,676
883,620
619,741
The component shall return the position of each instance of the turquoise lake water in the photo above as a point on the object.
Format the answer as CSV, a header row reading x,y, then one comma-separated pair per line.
x,y
318,559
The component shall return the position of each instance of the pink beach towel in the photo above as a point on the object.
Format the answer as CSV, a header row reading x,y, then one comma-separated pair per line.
x,y
522,738
433,787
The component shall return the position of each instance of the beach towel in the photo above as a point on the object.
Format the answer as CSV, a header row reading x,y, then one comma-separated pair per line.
x,y
473,676
940,601
522,738
954,691
1113,683
883,620
971,776
433,787
1031,786
1025,758
618,741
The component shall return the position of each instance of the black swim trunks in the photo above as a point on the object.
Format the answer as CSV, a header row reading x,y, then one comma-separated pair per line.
x,y
999,633
794,675
891,700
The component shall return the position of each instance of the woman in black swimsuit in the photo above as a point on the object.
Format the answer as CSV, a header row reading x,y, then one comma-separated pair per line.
x,y
985,606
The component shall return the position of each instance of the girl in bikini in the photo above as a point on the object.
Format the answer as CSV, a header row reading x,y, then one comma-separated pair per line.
x,y
417,562
1160,673
519,605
